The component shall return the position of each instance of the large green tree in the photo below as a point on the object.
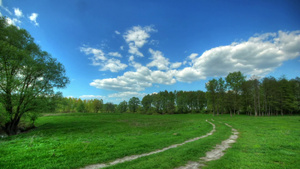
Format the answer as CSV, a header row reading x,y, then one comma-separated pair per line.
x,y
27,73
97,105
122,107
234,81
133,104
146,102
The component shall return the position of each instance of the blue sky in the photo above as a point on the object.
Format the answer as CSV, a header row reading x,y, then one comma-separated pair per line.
x,y
116,49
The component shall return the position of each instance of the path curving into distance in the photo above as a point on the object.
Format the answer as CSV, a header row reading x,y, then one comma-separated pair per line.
x,y
133,157
214,154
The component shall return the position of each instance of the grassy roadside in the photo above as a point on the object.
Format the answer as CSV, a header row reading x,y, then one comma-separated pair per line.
x,y
264,142
77,140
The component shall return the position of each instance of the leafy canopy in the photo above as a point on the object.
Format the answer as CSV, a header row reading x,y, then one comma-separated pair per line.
x,y
27,74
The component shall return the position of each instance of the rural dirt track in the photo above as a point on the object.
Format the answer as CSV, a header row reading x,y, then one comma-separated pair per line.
x,y
214,154
133,157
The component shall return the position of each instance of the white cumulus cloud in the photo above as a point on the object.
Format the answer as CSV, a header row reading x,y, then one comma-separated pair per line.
x,y
115,54
176,65
189,74
13,21
134,50
193,56
258,56
159,60
113,65
33,17
137,80
98,55
137,38
99,58
162,77
18,12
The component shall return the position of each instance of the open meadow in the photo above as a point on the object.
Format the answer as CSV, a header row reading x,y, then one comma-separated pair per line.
x,y
151,84
81,139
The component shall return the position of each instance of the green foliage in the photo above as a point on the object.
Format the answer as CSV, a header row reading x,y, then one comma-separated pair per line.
x,y
109,107
133,104
4,116
268,96
26,74
32,116
122,107
147,102
180,102
80,106
97,105
52,103
234,81
211,88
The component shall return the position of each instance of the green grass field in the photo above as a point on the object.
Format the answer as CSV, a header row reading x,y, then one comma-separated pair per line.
x,y
77,140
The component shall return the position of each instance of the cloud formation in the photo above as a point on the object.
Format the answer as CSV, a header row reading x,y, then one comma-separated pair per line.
x,y
137,80
113,65
99,58
175,65
16,17
115,54
137,38
18,12
159,61
259,55
33,17
13,21
97,54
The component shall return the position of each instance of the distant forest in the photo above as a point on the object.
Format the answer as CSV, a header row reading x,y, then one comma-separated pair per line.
x,y
230,95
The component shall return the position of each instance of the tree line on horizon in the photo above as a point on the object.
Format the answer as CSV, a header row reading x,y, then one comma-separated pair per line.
x,y
232,95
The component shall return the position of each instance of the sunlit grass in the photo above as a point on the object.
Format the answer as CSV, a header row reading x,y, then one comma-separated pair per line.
x,y
76,140
264,142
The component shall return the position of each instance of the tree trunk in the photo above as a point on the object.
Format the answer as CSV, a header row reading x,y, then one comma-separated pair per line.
x,y
11,128
258,102
254,104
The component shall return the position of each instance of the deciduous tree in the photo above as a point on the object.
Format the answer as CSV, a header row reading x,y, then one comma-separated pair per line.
x,y
234,81
133,104
26,73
